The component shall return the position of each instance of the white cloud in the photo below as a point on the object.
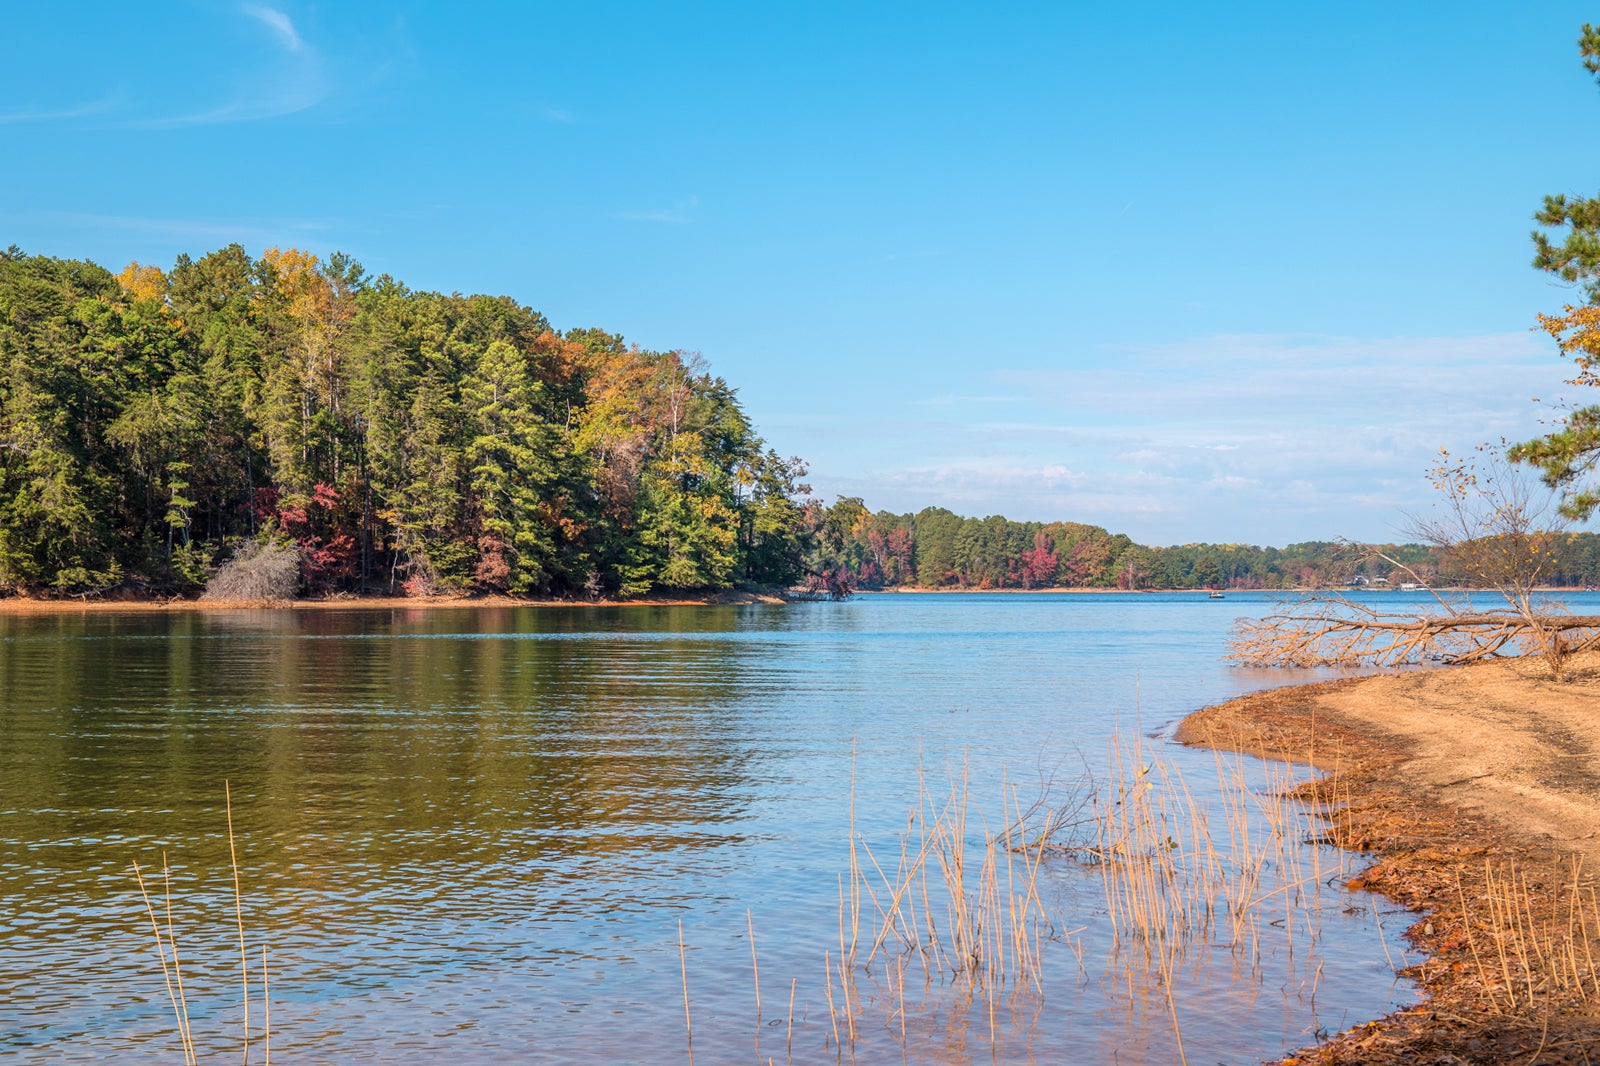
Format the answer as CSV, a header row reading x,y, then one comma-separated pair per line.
x,y
293,80
46,114
276,21
260,232
252,109
680,214
288,76
1222,377
1241,437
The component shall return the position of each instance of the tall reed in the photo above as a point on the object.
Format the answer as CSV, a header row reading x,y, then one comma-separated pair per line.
x,y
961,898
1529,950
171,966
975,918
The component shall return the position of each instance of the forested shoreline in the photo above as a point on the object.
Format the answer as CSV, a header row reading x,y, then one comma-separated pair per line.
x,y
156,423
936,548
153,421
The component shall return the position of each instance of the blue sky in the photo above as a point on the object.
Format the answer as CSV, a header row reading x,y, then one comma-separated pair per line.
x,y
1191,272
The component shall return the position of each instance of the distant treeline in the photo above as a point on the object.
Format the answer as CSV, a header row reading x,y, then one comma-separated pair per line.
x,y
151,421
936,548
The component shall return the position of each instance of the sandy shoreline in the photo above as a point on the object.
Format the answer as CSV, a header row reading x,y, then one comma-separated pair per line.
x,y
1456,777
34,605
29,605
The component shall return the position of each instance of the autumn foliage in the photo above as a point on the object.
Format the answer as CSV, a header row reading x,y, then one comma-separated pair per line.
x,y
153,423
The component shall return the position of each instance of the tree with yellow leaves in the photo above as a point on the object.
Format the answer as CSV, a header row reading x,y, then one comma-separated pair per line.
x,y
143,282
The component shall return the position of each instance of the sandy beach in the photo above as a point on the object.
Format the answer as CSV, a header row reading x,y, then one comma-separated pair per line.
x,y
1476,793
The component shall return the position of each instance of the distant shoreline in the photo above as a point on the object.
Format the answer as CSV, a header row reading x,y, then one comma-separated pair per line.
x,y
17,605
1226,592
1073,590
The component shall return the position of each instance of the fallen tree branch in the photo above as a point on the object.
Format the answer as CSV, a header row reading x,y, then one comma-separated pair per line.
x,y
1340,632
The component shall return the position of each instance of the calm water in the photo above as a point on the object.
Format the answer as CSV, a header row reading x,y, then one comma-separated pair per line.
x,y
475,833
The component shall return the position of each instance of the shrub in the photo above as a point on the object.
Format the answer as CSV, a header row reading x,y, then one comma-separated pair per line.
x,y
259,570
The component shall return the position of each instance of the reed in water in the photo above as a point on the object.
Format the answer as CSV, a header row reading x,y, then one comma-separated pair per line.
x,y
959,897
166,940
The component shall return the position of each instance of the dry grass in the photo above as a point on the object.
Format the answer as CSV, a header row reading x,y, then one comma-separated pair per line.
x,y
960,903
1531,947
1177,885
171,965
971,918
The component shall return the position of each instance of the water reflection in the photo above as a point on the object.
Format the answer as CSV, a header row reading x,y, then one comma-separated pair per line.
x,y
479,830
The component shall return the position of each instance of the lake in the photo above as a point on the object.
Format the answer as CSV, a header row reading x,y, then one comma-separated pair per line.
x,y
481,833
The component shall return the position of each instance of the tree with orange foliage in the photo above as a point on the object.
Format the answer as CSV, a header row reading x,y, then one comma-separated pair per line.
x,y
1568,456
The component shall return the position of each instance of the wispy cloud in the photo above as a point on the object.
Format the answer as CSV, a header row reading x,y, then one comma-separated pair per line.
x,y
250,109
1016,489
680,214
950,399
1267,437
1250,380
913,255
32,113
293,77
295,80
551,113
180,231
978,485
278,22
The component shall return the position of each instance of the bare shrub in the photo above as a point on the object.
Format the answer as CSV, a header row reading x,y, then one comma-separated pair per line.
x,y
259,570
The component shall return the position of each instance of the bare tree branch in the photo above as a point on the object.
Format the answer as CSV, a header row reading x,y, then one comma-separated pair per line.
x,y
1335,631
1497,532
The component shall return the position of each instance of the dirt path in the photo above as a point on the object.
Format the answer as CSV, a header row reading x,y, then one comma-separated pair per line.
x,y
1476,790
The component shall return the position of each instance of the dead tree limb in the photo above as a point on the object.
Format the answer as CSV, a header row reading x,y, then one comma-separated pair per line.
x,y
1334,631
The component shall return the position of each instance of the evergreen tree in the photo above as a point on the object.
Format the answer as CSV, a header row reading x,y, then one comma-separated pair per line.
x,y
513,458
1568,455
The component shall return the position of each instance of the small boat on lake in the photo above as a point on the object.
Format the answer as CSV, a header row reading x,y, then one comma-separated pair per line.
x,y
1215,595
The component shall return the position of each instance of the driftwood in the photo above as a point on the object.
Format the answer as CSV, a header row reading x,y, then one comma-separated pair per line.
x,y
1332,631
